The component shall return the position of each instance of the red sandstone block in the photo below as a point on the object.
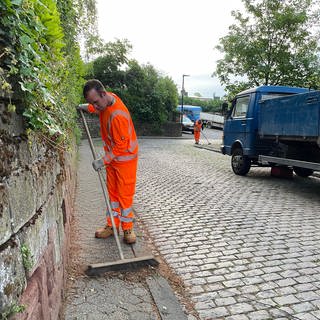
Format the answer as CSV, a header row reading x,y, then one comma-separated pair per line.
x,y
50,268
41,277
55,303
36,314
30,299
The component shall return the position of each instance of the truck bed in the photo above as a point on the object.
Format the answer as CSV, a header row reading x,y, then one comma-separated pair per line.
x,y
214,120
294,117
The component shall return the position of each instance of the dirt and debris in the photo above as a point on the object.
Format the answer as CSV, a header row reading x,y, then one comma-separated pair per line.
x,y
76,267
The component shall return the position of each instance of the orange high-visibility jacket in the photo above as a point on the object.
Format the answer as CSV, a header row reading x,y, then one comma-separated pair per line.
x,y
117,132
197,126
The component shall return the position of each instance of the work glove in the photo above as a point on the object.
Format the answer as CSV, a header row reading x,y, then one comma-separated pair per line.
x,y
83,107
98,164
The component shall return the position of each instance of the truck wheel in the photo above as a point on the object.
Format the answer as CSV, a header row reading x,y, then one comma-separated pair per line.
x,y
302,172
240,164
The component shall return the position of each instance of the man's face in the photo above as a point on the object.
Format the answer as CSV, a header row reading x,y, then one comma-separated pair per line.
x,y
98,99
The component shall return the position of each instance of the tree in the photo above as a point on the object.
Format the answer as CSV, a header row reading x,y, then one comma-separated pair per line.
x,y
211,105
149,96
168,92
109,68
271,45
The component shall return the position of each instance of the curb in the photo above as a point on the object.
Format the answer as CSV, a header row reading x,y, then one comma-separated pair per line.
x,y
209,148
165,137
165,300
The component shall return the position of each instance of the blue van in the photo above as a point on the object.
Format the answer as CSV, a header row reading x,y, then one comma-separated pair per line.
x,y
192,112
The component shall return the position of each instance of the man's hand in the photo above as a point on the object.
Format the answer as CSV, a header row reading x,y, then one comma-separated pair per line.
x,y
98,164
83,107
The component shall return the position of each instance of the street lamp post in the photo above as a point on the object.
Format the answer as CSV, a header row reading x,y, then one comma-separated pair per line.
x,y
182,93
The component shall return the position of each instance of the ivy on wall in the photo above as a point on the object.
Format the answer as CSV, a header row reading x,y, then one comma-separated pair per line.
x,y
40,62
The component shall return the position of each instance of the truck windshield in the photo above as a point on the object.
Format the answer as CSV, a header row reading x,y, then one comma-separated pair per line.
x,y
186,120
241,107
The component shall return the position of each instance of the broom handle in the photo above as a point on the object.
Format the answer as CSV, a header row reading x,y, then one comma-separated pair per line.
x,y
106,197
205,137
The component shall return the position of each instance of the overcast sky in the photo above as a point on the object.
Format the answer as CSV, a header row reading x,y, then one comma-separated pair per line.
x,y
176,36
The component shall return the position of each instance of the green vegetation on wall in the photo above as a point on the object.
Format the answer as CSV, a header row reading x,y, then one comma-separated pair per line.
x,y
27,259
41,64
11,310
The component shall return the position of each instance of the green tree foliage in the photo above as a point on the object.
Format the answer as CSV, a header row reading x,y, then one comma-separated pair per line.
x,y
211,105
87,25
40,62
272,44
167,90
109,68
150,96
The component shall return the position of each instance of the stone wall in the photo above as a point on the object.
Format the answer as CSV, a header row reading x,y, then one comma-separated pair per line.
x,y
168,129
93,124
37,187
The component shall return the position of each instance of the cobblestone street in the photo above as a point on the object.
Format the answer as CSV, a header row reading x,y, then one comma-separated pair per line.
x,y
248,247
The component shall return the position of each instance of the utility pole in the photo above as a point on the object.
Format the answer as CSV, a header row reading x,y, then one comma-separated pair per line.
x,y
182,93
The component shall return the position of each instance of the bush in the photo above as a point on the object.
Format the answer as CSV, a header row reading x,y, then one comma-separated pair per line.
x,y
41,64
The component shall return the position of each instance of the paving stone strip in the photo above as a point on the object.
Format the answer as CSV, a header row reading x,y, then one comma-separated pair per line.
x,y
167,303
114,296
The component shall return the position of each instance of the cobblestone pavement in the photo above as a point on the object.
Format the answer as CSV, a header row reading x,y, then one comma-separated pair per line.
x,y
248,247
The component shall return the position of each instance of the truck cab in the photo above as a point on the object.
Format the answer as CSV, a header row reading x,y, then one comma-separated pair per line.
x,y
240,137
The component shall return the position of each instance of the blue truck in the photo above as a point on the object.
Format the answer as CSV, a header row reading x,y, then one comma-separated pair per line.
x,y
274,126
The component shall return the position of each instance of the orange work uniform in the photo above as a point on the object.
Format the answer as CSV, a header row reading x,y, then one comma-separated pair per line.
x,y
197,129
121,159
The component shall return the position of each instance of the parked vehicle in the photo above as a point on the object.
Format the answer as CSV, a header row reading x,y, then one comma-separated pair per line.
x,y
274,126
192,112
210,120
187,124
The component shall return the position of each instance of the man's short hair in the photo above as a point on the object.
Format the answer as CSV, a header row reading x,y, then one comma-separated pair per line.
x,y
92,84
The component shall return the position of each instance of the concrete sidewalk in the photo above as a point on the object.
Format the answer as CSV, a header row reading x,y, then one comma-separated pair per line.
x,y
142,294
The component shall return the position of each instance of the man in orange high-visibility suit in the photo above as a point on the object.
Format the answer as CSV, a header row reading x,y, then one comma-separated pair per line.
x,y
120,159
197,129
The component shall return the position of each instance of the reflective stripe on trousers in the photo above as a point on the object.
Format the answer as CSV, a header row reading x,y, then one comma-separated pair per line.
x,y
125,213
121,180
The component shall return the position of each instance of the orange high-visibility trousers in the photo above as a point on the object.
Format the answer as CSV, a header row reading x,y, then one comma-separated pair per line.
x,y
197,136
121,183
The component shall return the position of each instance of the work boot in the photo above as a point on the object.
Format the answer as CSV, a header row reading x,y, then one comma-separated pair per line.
x,y
104,232
129,236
